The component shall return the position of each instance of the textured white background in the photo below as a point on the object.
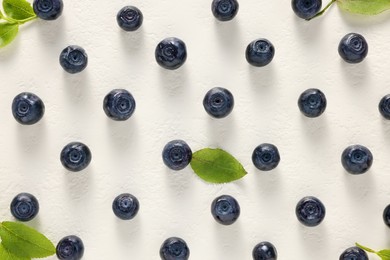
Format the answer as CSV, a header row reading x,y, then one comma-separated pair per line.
x,y
127,155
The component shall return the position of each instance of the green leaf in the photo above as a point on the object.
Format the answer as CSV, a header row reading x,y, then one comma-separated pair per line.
x,y
367,7
365,248
18,9
6,255
216,166
384,254
24,241
8,32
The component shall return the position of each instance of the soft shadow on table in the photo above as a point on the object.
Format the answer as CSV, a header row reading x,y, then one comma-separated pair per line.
x,y
180,183
262,78
229,239
313,239
221,130
173,82
77,86
78,184
128,230
360,187
51,32
132,42
123,135
32,138
357,75
9,51
228,33
315,129
268,183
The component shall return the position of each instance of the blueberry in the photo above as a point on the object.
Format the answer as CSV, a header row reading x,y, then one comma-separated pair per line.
x,y
218,102
353,48
310,211
70,248
27,108
75,156
125,206
265,157
260,52
171,53
356,159
225,209
129,18
176,154
48,9
73,59
24,207
386,215
354,253
224,10
384,106
264,251
306,9
312,102
119,104
174,248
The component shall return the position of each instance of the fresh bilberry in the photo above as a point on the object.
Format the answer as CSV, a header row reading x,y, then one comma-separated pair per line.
x,y
386,215
73,59
356,159
119,104
225,209
27,108
70,248
24,207
310,211
174,248
384,106
264,251
353,48
260,52
218,102
306,9
353,253
224,10
75,156
266,157
48,9
171,53
129,18
176,154
125,206
312,102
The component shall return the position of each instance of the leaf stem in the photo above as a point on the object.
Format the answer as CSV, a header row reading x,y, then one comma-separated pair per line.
x,y
323,10
13,21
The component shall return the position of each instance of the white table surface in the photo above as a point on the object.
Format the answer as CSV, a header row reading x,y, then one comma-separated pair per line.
x,y
126,156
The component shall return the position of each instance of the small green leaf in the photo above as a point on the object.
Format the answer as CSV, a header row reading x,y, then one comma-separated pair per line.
x,y
216,166
384,254
24,241
6,255
365,248
8,32
18,9
367,7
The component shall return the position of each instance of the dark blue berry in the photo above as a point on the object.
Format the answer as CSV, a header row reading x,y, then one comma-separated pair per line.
x,y
264,251
266,157
386,215
129,18
75,156
73,59
24,207
312,102
224,10
353,48
119,104
171,53
27,108
125,206
306,9
384,106
48,9
70,248
356,159
176,154
218,102
174,248
310,211
260,52
225,209
354,253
